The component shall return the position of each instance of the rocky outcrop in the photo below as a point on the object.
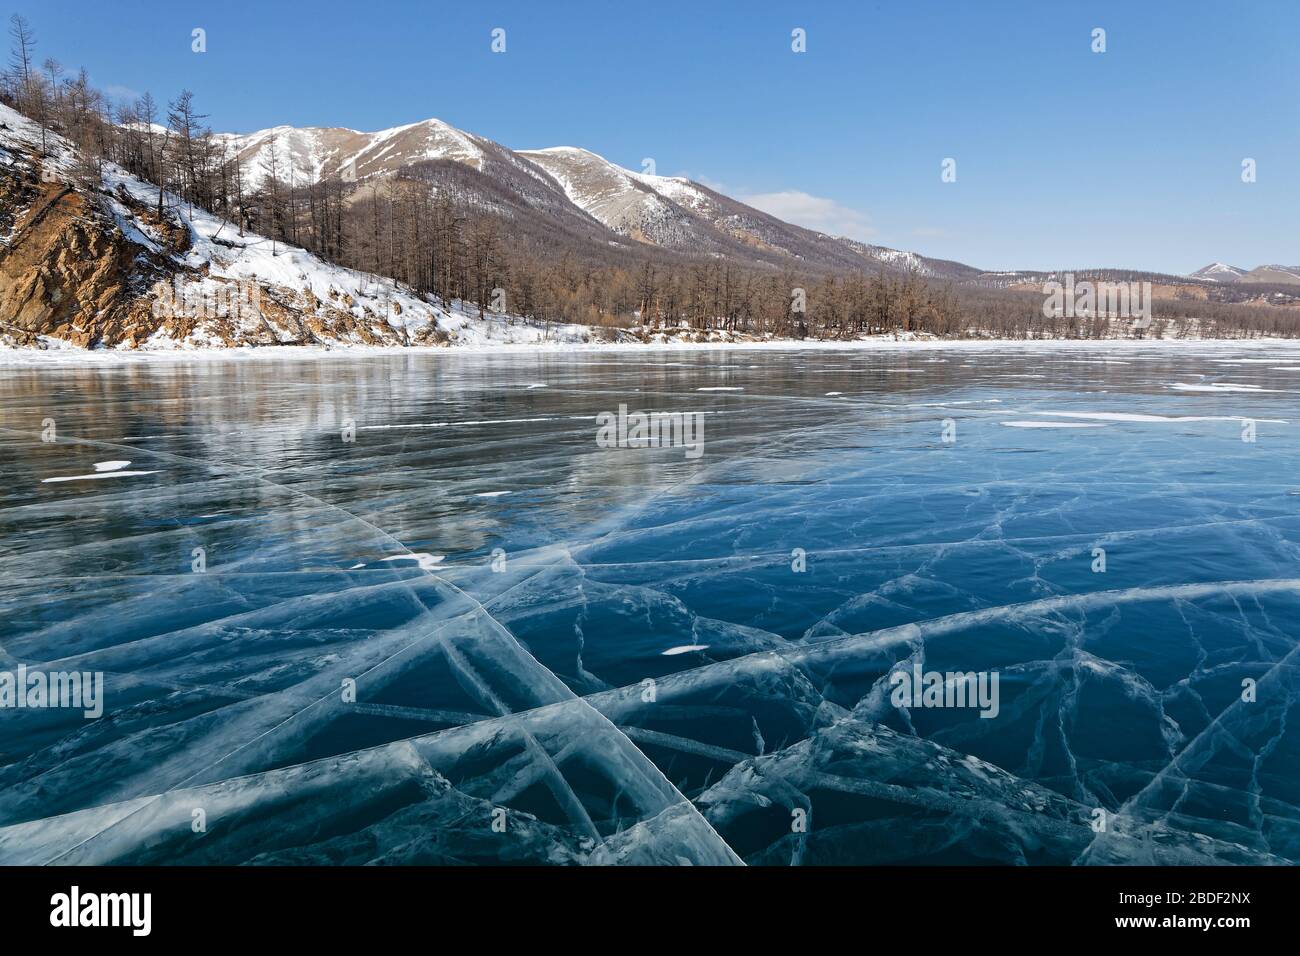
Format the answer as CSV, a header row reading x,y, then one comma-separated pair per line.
x,y
66,270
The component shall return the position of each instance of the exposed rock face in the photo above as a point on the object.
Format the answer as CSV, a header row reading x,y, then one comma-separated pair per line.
x,y
66,270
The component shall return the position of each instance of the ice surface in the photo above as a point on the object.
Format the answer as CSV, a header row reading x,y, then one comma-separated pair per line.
x,y
1041,424
616,659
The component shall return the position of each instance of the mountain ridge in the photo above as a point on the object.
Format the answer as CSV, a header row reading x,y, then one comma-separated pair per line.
x,y
672,212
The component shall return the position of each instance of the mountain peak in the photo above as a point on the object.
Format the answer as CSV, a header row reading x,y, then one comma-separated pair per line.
x,y
1218,272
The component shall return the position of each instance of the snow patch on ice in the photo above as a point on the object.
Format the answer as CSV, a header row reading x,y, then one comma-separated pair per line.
x,y
1137,417
425,560
1217,387
95,475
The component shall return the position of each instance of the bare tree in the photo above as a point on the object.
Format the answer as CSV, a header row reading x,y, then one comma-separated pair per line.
x,y
273,191
185,122
21,54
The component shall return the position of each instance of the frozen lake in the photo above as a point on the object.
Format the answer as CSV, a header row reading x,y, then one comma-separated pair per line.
x,y
407,608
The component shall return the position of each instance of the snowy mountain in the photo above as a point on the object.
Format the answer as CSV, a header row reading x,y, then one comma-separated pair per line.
x,y
568,186
1218,272
315,153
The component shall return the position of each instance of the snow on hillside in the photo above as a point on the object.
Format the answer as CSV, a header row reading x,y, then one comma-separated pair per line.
x,y
626,202
676,188
305,152
591,181
894,258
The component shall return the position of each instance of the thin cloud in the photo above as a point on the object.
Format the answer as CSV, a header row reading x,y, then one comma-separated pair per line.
x,y
713,184
121,92
813,212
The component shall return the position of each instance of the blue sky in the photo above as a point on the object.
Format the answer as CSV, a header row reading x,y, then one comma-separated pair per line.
x,y
1065,158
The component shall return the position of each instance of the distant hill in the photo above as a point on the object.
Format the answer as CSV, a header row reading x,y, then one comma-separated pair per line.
x,y
1269,275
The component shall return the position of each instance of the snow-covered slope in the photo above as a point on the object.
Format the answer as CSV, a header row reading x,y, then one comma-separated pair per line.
x,y
624,201
99,267
904,261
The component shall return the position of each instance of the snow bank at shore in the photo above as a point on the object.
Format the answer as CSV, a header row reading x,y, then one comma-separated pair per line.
x,y
61,354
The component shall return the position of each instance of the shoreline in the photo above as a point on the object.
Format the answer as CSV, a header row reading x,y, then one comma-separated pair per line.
x,y
32,358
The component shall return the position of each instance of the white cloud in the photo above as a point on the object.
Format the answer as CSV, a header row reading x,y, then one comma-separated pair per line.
x,y
121,92
713,184
813,212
